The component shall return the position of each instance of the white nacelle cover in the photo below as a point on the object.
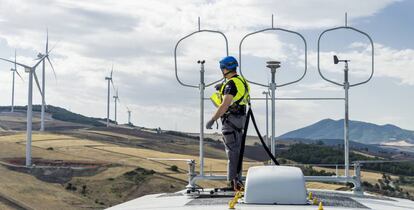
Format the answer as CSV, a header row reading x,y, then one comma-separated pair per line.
x,y
275,185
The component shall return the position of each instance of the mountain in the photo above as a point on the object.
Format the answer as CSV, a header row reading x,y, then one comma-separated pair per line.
x,y
363,132
59,113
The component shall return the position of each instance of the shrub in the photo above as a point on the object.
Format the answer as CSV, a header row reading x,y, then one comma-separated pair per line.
x,y
174,168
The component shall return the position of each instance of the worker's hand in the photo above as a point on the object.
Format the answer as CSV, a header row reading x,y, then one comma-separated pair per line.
x,y
209,124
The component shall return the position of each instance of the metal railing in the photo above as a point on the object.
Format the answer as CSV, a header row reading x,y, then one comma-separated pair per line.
x,y
273,65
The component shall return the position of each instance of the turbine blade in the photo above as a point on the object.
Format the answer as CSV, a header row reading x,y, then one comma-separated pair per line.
x,y
51,65
18,74
20,64
113,85
53,47
37,83
47,40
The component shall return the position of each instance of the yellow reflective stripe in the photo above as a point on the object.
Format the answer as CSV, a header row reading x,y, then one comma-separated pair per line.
x,y
241,90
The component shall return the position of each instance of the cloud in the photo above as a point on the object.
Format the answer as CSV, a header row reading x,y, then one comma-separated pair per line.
x,y
138,37
389,62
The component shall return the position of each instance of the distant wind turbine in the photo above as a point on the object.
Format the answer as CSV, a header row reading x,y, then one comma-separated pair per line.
x,y
116,99
32,73
129,116
109,94
14,70
40,55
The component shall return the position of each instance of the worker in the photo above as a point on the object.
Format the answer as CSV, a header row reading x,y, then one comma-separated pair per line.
x,y
231,101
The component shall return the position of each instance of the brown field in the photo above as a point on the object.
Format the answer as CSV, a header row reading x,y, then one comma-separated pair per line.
x,y
126,150
67,147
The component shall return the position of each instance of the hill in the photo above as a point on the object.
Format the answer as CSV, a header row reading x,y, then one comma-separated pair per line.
x,y
59,113
362,132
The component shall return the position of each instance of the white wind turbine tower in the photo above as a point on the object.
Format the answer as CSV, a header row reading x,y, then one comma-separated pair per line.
x,y
129,116
116,99
14,70
32,73
109,95
40,55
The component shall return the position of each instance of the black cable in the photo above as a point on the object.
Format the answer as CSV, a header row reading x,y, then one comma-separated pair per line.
x,y
261,139
243,142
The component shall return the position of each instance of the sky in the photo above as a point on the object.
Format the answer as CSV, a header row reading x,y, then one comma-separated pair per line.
x,y
138,39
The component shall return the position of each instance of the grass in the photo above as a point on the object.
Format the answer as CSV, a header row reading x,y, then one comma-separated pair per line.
x,y
66,143
48,196
112,186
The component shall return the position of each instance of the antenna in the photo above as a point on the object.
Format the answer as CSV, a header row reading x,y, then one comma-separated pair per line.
x,y
199,24
273,65
345,84
201,85
346,19
272,21
32,74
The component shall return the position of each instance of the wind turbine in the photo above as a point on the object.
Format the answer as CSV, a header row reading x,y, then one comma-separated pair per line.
x,y
129,116
32,73
116,98
109,95
40,55
14,70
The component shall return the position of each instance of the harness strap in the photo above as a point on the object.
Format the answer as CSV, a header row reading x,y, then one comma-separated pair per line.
x,y
246,90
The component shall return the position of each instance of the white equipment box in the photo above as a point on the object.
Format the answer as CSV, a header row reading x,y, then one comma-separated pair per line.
x,y
275,185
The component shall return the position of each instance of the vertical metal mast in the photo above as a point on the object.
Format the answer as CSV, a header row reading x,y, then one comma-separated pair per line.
x,y
267,117
29,120
108,101
115,101
273,65
42,114
202,87
12,101
129,117
14,74
345,84
346,120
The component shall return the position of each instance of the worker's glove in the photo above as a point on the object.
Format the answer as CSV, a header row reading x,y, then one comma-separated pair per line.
x,y
218,86
209,124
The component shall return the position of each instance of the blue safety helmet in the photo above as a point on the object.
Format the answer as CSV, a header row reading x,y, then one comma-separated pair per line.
x,y
229,63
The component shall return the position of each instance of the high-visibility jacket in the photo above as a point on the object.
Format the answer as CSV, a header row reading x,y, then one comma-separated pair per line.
x,y
243,92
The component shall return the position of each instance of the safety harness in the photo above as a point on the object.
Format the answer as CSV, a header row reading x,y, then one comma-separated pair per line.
x,y
216,98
